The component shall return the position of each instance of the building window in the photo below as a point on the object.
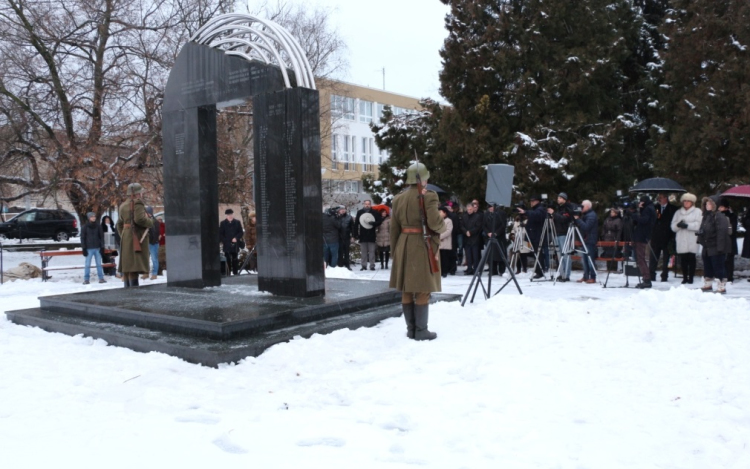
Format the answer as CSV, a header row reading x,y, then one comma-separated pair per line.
x,y
342,107
365,111
345,153
334,152
365,166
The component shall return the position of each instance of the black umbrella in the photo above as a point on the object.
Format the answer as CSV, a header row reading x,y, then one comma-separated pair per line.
x,y
433,187
657,185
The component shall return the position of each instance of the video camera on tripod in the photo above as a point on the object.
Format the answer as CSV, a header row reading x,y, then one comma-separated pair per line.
x,y
625,203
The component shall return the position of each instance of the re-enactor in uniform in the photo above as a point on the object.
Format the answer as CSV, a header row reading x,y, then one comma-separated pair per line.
x,y
133,222
411,267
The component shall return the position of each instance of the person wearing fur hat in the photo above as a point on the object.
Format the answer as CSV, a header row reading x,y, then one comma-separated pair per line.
x,y
685,224
732,217
133,225
715,238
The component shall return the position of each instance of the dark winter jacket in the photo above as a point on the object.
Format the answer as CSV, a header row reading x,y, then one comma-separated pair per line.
x,y
644,222
732,217
366,235
662,233
474,224
345,231
331,229
612,229
153,232
227,231
456,228
746,241
496,223
588,223
535,222
92,236
562,218
714,233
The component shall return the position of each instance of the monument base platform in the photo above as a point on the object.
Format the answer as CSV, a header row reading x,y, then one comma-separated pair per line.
x,y
212,325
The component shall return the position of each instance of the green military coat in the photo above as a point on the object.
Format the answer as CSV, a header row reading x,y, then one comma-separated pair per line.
x,y
410,271
131,261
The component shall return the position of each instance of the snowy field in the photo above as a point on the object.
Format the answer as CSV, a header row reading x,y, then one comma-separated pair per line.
x,y
564,376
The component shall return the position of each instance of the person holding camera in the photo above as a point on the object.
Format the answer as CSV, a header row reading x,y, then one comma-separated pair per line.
x,y
534,225
685,224
331,236
562,217
588,223
715,237
643,221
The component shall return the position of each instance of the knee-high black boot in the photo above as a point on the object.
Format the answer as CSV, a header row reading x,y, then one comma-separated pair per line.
x,y
408,309
421,315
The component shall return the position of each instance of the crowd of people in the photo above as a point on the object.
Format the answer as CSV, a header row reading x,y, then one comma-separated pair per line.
x,y
656,235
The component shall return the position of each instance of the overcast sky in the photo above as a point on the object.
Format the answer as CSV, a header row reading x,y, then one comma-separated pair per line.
x,y
402,36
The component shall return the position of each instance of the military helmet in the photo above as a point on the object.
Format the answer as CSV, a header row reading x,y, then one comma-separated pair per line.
x,y
411,173
134,188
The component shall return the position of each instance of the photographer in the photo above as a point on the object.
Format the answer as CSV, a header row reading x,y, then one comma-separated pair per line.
x,y
644,222
588,223
562,218
331,236
534,226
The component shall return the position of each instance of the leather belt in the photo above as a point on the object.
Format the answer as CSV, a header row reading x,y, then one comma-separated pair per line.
x,y
411,230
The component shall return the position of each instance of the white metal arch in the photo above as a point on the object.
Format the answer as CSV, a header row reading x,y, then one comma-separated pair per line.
x,y
254,38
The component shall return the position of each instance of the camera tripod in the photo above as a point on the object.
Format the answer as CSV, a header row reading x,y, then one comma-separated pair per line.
x,y
549,236
488,256
520,236
569,247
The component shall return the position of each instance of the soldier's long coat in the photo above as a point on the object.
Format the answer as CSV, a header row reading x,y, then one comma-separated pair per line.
x,y
411,270
131,261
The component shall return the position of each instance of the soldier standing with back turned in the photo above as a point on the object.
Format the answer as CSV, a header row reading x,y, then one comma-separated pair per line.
x,y
133,225
411,273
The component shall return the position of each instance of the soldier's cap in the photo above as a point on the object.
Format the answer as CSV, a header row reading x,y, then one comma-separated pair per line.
x,y
134,188
228,211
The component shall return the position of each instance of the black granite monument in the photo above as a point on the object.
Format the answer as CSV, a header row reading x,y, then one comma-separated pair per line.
x,y
287,171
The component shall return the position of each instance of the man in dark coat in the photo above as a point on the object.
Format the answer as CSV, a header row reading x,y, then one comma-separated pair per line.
x,y
495,223
471,226
331,236
133,225
725,208
536,215
230,233
92,244
411,273
588,223
562,218
662,236
345,237
644,221
365,233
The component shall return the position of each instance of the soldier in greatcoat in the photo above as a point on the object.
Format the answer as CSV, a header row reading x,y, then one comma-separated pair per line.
x,y
133,222
411,267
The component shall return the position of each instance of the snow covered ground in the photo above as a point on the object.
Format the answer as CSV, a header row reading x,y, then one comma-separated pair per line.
x,y
563,376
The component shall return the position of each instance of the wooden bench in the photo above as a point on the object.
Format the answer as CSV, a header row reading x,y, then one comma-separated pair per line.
x,y
46,257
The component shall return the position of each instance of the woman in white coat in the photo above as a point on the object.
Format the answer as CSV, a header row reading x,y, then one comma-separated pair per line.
x,y
686,223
